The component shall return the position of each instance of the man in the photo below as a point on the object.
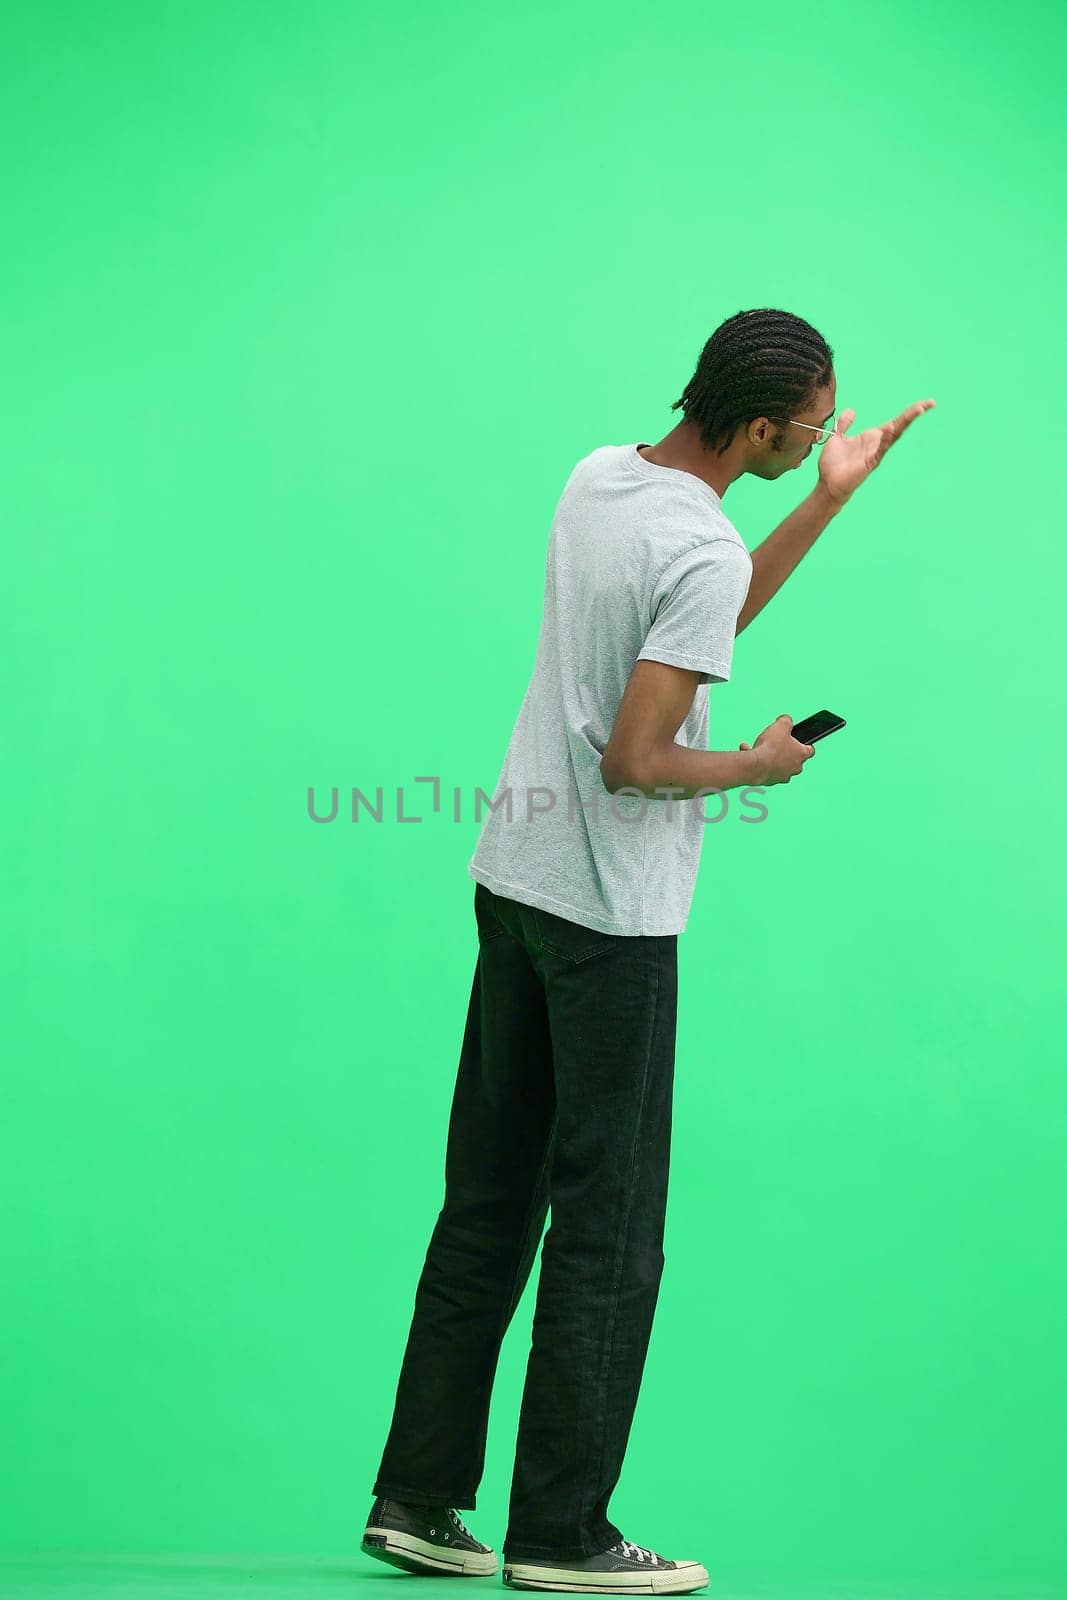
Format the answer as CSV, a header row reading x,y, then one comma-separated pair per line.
x,y
584,872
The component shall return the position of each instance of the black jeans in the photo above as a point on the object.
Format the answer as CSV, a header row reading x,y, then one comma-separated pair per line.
x,y
563,1098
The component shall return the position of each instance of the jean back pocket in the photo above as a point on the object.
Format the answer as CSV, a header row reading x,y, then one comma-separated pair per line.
x,y
570,940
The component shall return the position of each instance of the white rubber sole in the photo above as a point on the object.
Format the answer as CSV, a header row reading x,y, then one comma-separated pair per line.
x,y
687,1576
404,1550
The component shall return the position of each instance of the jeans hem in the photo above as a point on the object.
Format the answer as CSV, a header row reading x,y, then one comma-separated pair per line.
x,y
425,1497
558,1552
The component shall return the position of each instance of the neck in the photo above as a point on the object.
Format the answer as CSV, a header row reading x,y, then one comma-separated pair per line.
x,y
681,448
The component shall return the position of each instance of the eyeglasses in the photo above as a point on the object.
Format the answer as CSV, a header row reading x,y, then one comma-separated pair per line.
x,y
821,434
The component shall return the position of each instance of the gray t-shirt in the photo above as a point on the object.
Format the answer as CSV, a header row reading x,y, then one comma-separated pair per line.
x,y
642,564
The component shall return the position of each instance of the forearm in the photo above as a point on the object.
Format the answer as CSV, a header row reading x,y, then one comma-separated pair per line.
x,y
783,549
686,771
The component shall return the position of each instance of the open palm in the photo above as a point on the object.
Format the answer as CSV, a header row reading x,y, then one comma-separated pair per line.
x,y
844,462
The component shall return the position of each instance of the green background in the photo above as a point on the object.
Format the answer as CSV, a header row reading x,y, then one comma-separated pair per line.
x,y
308,312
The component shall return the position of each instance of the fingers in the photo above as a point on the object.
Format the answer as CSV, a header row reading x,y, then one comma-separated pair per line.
x,y
905,419
892,430
908,415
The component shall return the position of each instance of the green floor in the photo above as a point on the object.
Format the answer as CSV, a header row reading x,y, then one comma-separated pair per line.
x,y
192,1577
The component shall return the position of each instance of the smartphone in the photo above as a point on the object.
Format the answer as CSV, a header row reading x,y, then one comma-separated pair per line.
x,y
816,726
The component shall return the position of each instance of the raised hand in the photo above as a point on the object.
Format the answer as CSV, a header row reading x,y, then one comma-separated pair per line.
x,y
845,462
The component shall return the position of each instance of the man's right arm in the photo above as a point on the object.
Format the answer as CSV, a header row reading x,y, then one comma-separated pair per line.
x,y
641,752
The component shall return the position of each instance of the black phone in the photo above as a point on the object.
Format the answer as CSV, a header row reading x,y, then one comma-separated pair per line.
x,y
816,726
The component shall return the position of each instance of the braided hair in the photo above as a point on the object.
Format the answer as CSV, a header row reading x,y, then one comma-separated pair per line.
x,y
762,363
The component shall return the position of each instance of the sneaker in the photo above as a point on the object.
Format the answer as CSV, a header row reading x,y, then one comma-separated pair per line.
x,y
425,1539
623,1568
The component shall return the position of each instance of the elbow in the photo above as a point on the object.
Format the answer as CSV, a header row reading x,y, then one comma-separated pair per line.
x,y
611,774
618,773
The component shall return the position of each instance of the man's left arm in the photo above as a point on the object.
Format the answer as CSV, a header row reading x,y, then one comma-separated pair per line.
x,y
844,463
776,557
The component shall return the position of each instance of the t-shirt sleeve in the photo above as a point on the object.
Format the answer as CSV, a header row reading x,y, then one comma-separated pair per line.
x,y
695,605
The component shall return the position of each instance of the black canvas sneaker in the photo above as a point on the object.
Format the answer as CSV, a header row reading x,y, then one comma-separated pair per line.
x,y
623,1568
427,1539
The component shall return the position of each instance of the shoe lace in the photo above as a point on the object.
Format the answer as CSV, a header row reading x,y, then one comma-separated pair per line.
x,y
637,1552
458,1520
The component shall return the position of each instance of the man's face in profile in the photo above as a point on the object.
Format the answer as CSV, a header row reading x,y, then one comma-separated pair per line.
x,y
787,444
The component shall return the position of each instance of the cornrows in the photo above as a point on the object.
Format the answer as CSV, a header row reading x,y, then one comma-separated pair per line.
x,y
762,363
